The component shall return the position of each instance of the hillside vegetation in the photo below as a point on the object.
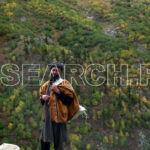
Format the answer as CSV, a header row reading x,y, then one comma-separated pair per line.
x,y
77,32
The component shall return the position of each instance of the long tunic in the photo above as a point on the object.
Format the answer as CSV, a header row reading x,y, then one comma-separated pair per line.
x,y
51,130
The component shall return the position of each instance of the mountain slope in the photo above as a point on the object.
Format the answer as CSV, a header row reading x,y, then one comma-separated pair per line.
x,y
77,32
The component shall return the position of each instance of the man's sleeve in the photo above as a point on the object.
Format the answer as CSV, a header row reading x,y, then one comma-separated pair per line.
x,y
42,92
42,101
64,98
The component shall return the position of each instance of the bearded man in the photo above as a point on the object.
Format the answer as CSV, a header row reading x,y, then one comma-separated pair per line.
x,y
60,104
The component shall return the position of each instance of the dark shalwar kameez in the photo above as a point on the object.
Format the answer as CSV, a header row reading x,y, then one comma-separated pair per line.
x,y
52,131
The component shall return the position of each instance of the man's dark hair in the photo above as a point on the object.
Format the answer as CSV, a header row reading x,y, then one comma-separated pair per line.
x,y
57,64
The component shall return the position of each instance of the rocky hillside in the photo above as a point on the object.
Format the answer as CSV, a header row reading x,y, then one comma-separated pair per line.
x,y
80,32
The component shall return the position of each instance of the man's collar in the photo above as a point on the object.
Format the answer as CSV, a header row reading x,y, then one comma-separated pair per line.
x,y
58,81
52,80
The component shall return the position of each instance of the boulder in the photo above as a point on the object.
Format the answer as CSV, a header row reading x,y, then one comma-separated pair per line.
x,y
6,146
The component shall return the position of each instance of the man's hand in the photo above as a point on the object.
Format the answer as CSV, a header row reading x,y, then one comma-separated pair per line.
x,y
45,97
55,89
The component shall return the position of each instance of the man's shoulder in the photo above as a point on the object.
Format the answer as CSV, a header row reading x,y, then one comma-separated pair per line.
x,y
66,84
45,83
59,81
64,81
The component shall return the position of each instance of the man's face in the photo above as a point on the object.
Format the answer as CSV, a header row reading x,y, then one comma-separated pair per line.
x,y
55,73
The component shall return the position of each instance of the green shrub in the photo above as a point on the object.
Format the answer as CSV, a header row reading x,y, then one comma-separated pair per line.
x,y
4,132
85,128
5,140
123,142
4,29
1,124
28,148
146,115
60,24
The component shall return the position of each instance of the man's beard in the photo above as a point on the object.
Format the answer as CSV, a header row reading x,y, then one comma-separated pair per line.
x,y
54,77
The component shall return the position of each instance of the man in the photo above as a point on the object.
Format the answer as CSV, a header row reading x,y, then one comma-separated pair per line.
x,y
60,104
